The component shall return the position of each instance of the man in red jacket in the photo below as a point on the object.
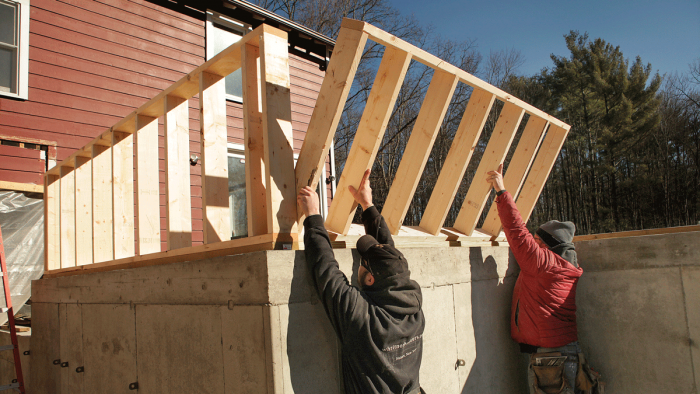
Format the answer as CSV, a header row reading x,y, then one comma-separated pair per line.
x,y
543,311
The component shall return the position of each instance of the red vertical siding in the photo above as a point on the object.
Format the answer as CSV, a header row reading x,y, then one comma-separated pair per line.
x,y
91,62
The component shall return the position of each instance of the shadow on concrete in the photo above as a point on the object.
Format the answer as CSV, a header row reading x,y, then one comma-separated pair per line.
x,y
495,350
312,345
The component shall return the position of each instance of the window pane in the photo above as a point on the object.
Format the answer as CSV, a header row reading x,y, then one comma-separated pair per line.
x,y
236,193
221,40
8,27
8,70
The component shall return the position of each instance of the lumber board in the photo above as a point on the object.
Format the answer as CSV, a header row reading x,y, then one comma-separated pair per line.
x,y
418,148
496,151
638,233
256,195
457,160
147,203
224,63
420,55
541,167
329,107
519,165
102,212
67,218
83,211
21,187
123,194
52,225
178,208
215,204
370,131
199,252
277,136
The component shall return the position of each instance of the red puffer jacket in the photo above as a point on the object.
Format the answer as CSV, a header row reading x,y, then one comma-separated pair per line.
x,y
543,312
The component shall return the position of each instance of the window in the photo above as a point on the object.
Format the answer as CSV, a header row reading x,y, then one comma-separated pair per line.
x,y
14,48
221,33
236,191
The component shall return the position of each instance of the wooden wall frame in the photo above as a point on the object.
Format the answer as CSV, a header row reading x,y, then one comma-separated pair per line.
x,y
528,170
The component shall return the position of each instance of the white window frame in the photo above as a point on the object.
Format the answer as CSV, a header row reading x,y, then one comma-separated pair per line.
x,y
215,18
22,77
238,150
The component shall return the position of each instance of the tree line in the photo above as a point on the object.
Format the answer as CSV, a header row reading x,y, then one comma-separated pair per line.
x,y
632,157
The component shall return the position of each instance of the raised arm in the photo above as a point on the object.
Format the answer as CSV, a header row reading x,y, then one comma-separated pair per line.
x,y
529,255
373,221
339,298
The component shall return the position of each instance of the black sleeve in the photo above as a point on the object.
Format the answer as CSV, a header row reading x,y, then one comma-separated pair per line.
x,y
376,226
339,298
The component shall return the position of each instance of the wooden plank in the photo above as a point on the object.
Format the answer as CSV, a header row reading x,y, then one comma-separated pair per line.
x,y
329,107
102,226
389,40
277,136
418,148
52,224
21,187
638,233
457,160
256,195
212,101
177,173
123,193
517,169
83,211
224,248
67,218
496,151
546,157
147,193
370,131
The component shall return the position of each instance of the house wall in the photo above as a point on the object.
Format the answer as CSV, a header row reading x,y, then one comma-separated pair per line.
x,y
93,62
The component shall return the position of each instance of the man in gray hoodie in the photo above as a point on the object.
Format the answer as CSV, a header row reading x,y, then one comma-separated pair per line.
x,y
380,323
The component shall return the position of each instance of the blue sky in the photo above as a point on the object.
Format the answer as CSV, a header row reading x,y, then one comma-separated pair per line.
x,y
665,33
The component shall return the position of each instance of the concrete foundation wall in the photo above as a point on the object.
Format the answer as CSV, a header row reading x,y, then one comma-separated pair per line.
x,y
253,324
639,312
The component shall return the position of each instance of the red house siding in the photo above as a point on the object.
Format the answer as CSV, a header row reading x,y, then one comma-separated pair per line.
x,y
91,62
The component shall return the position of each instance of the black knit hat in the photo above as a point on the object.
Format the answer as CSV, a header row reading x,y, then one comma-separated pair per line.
x,y
554,232
383,260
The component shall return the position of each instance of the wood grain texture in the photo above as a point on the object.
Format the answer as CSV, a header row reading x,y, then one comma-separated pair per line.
x,y
277,135
123,193
177,173
370,131
67,217
52,224
83,211
496,151
519,165
457,160
102,210
418,148
212,101
256,194
147,193
541,168
329,107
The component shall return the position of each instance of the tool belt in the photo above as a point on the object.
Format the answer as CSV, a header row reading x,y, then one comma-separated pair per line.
x,y
548,369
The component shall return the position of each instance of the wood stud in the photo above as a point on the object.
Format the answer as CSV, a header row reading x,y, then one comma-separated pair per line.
x,y
370,131
106,165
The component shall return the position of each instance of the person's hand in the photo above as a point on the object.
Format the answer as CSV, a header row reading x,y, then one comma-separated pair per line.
x,y
308,201
363,194
496,178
